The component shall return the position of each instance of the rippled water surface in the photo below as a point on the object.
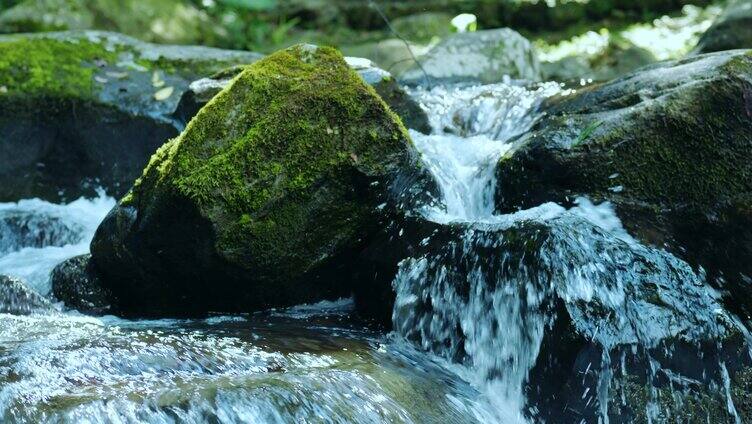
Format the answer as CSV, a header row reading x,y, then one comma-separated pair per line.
x,y
272,367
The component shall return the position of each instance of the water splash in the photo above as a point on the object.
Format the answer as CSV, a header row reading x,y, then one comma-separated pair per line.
x,y
64,368
472,127
497,111
36,235
487,291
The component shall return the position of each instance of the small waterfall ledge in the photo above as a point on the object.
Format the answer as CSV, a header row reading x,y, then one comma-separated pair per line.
x,y
507,292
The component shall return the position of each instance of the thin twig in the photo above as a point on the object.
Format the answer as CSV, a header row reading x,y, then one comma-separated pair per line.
x,y
376,7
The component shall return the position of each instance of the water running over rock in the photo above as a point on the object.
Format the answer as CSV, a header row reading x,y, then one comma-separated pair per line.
x,y
36,235
551,314
489,294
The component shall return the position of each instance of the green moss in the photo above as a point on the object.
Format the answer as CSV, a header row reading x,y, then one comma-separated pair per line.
x,y
272,149
686,148
587,132
50,67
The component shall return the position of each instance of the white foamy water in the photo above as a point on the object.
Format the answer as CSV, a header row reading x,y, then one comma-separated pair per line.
x,y
472,127
301,364
36,235
486,298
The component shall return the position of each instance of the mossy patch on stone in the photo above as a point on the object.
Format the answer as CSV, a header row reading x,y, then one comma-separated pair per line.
x,y
83,109
284,124
50,67
283,171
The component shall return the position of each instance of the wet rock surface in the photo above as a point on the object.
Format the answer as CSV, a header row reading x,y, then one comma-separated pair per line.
x,y
173,246
669,145
77,283
87,109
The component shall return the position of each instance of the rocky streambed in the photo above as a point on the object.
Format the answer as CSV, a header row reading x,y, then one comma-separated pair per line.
x,y
300,237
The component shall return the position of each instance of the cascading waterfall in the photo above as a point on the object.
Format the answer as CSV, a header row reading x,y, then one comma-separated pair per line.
x,y
487,298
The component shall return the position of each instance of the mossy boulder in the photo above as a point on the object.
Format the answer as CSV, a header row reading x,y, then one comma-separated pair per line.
x,y
264,199
478,57
200,92
161,21
85,109
732,30
670,146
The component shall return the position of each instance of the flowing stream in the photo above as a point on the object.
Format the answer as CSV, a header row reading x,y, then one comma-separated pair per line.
x,y
478,318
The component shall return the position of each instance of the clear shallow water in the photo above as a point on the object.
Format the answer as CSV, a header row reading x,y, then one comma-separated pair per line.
x,y
262,368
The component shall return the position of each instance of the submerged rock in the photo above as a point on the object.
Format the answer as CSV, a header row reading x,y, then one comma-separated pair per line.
x,y
263,199
20,229
670,146
17,299
479,57
732,30
86,109
77,283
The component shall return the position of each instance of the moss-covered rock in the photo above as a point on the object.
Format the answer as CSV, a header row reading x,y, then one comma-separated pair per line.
x,y
264,198
732,30
200,92
89,107
670,145
162,21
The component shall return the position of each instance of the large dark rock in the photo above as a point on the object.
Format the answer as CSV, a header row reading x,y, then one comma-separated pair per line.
x,y
265,197
77,283
85,109
670,146
732,30
580,318
18,299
